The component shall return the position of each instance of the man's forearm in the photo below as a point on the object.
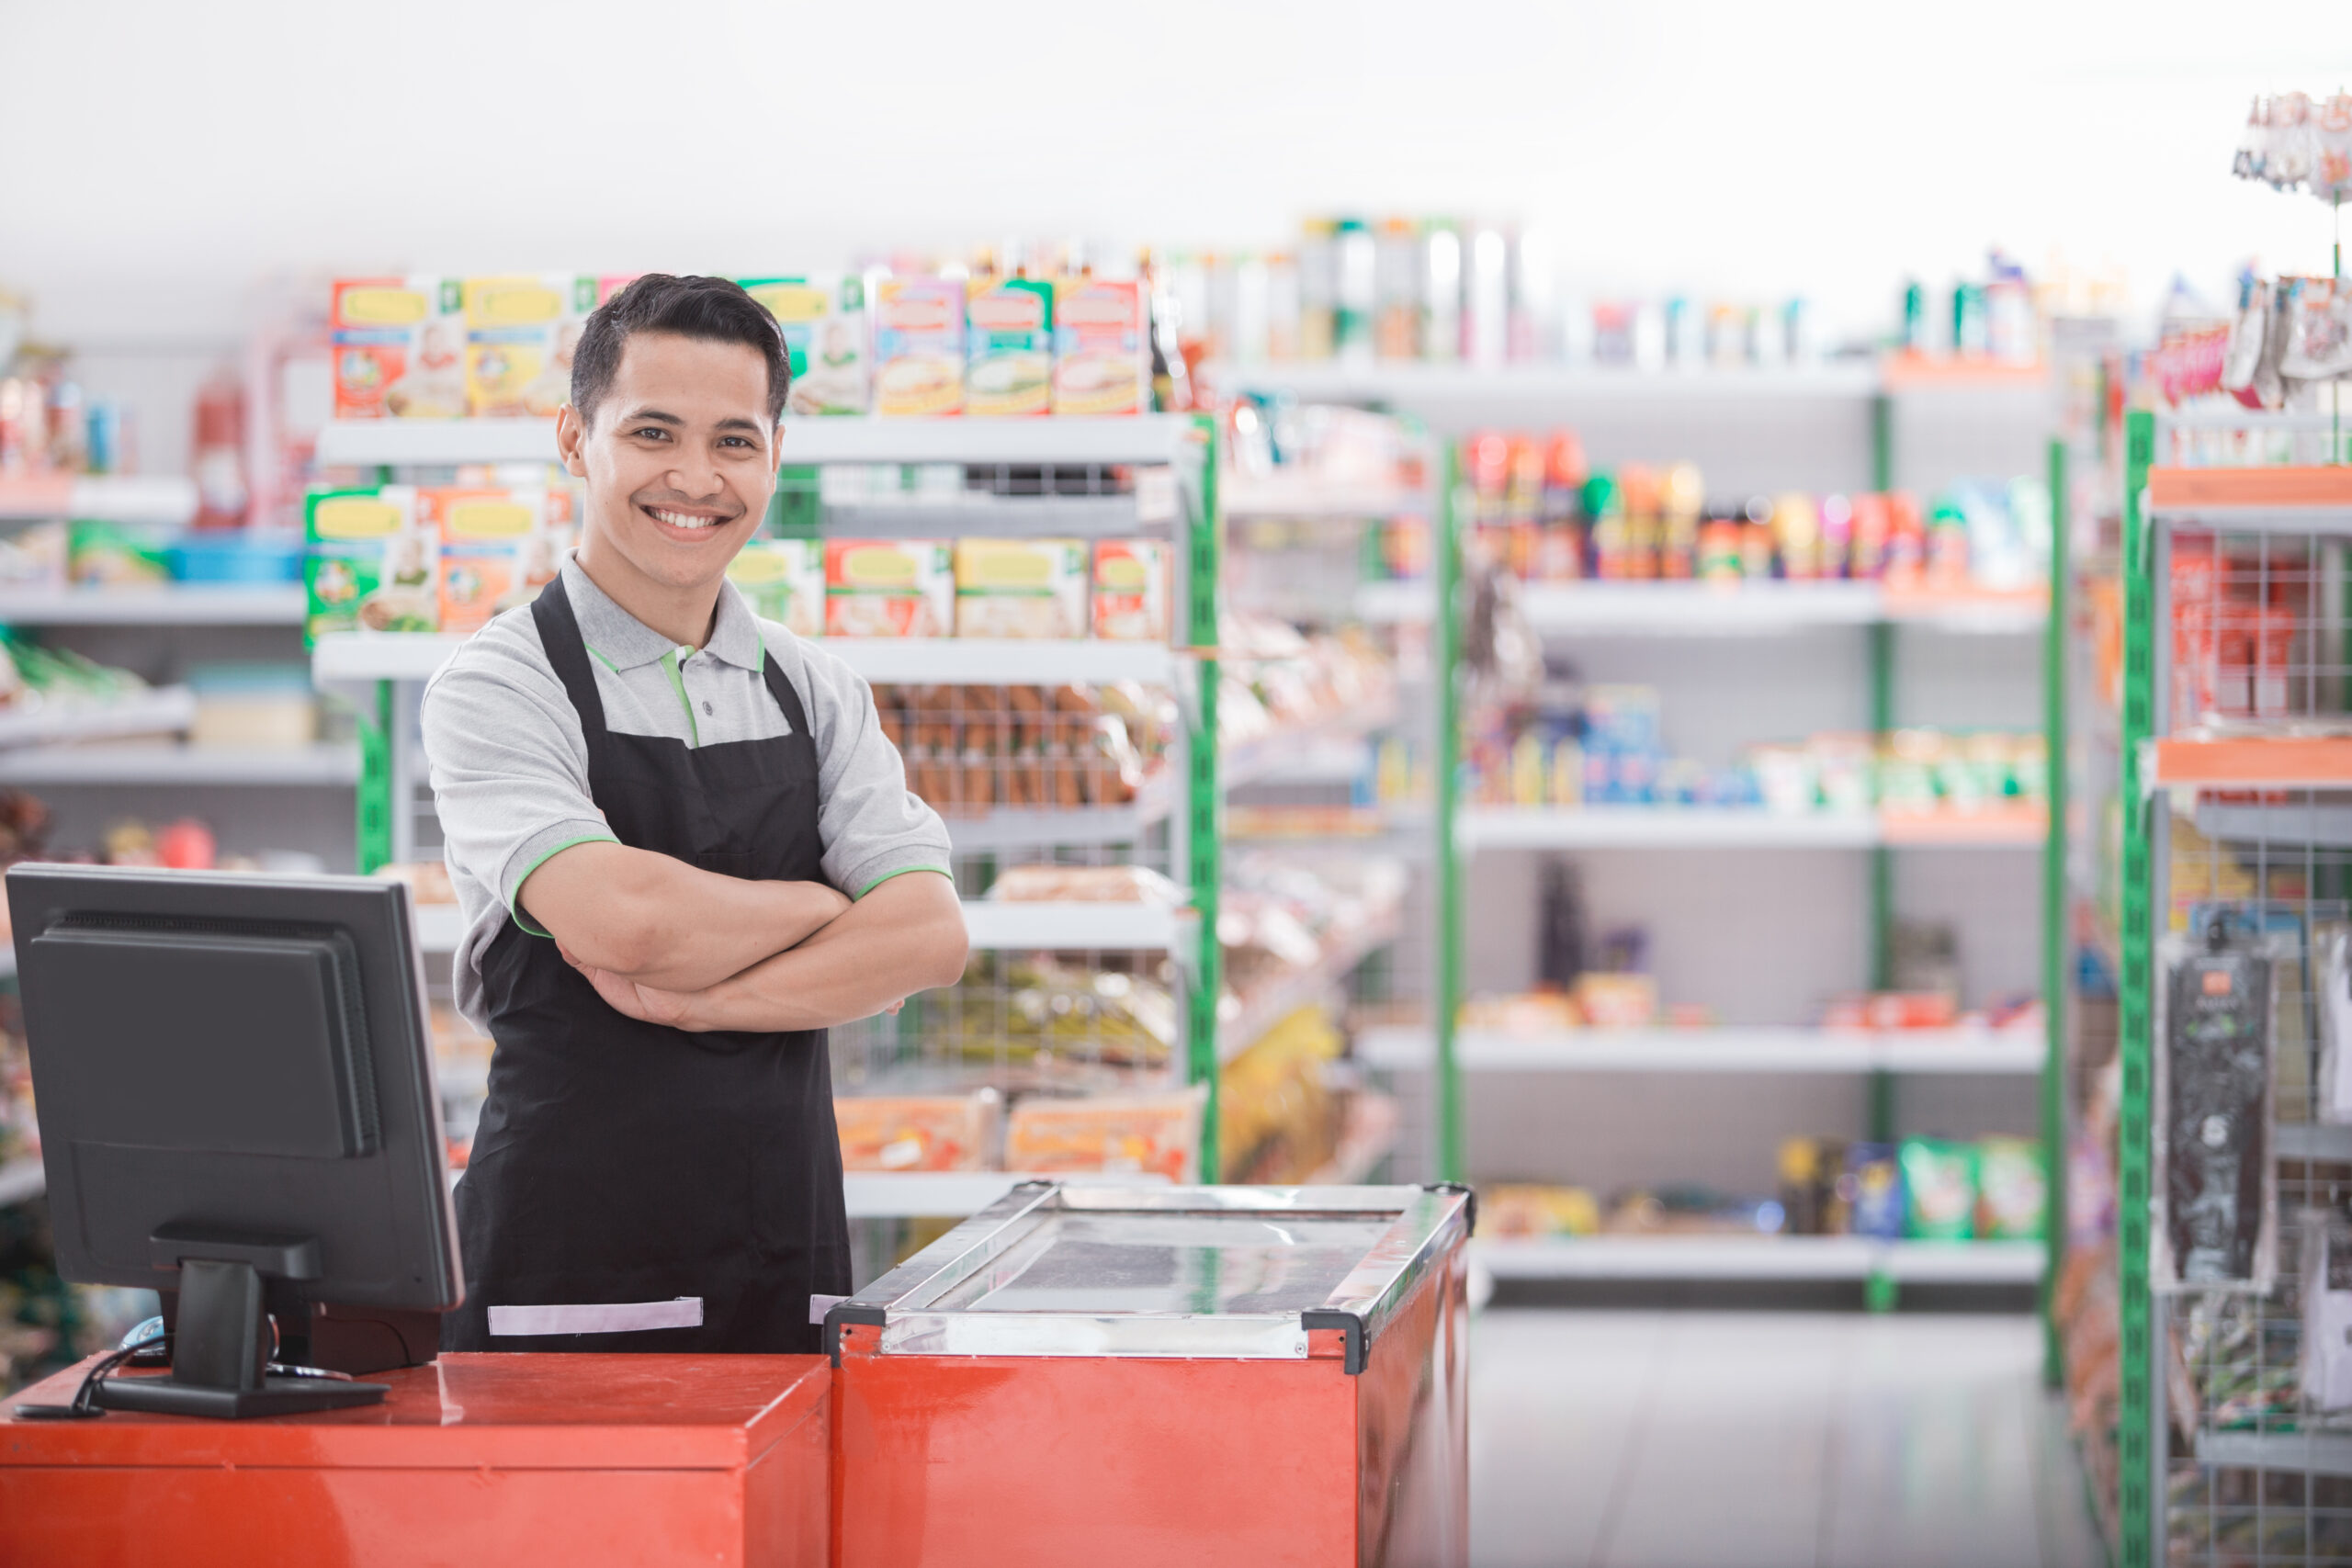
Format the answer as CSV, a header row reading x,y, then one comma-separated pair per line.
x,y
661,922
906,936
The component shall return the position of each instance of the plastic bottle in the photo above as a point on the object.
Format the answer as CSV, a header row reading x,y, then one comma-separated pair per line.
x,y
219,452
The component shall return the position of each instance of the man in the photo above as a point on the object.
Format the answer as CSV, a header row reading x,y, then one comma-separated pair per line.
x,y
684,849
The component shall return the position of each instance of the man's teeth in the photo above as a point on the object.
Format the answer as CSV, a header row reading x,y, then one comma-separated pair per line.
x,y
683,520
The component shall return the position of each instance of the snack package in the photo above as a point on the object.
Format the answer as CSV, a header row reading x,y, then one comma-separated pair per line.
x,y
888,1132
2332,993
2216,1178
1131,590
1156,1132
1938,1190
2010,1193
1009,338
1811,1201
497,550
521,333
784,581
399,346
824,318
1872,1190
918,346
1020,588
1102,364
889,588
2327,1312
370,563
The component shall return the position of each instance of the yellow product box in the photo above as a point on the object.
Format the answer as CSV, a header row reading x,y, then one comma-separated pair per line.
x,y
521,333
823,318
399,347
1026,587
369,562
1009,335
919,345
1131,590
1102,365
890,588
784,581
498,547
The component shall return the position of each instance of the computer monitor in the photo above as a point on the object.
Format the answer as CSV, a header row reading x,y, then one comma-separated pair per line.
x,y
234,1080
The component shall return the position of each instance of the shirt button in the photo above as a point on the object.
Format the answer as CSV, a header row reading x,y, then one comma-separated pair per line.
x,y
707,708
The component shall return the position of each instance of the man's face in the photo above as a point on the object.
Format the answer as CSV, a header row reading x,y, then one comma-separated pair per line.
x,y
681,458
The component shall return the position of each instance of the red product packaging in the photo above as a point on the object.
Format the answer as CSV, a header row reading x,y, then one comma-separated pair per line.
x,y
2196,673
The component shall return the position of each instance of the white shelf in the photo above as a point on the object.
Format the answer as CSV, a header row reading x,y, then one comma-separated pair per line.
x,y
1405,601
155,711
1706,609
21,1180
1329,752
1016,827
1762,1258
1149,439
149,763
970,662
1418,384
1726,827
108,497
1074,927
1303,497
953,1194
180,604
1277,999
2313,1453
1763,1051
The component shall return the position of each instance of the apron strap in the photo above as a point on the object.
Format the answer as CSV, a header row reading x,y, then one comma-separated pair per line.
x,y
568,655
786,697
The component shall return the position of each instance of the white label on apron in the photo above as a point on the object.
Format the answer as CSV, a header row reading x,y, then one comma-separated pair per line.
x,y
819,1305
596,1317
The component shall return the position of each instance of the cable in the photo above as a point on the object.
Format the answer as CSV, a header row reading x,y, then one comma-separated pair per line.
x,y
84,1406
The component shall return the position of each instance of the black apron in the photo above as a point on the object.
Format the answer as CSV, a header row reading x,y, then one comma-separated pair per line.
x,y
619,1161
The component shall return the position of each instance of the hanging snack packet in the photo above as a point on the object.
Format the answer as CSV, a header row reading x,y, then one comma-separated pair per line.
x,y
2327,1312
2332,997
2249,336
2213,1067
1940,1190
2319,332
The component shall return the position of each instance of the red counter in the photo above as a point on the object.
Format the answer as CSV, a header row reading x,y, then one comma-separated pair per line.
x,y
508,1460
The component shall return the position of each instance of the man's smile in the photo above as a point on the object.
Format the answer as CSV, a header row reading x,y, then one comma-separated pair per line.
x,y
674,520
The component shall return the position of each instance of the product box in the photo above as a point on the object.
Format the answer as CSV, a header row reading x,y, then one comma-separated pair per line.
x,y
890,588
1131,590
895,1132
919,345
498,549
1160,1133
521,333
1102,364
784,581
371,562
399,346
1009,338
1027,588
824,318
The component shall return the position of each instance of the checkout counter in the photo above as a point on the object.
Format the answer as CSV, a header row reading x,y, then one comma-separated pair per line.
x,y
1074,1375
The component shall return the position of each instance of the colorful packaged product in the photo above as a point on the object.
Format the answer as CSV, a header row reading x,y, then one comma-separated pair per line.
x,y
918,346
2009,1189
1102,363
1873,1189
399,346
521,333
889,1132
890,588
1024,588
784,581
370,563
1158,1133
1131,590
2213,1090
497,550
1940,1190
824,318
1009,338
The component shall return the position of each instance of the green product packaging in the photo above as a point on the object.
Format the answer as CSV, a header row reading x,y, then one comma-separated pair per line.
x,y
115,555
370,565
1940,1190
2009,1189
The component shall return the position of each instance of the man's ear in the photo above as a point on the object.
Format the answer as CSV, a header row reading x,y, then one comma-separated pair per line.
x,y
570,433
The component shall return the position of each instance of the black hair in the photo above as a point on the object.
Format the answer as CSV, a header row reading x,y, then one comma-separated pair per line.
x,y
710,309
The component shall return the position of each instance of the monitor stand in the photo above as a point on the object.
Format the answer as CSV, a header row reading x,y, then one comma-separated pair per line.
x,y
221,1347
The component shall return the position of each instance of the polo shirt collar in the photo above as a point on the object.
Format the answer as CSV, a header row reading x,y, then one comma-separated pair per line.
x,y
625,642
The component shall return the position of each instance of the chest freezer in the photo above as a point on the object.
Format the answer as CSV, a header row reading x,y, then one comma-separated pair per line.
x,y
1274,1375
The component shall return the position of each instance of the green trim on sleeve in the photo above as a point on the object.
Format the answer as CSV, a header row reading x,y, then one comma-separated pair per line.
x,y
514,896
678,685
935,870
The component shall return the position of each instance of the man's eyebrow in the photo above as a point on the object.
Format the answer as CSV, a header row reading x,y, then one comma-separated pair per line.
x,y
656,416
737,422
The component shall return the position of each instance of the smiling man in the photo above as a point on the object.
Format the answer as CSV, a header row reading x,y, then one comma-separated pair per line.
x,y
684,849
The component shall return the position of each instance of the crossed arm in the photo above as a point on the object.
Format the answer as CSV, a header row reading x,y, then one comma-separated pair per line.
x,y
666,942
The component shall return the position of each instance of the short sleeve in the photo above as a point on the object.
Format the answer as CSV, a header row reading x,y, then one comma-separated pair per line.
x,y
873,828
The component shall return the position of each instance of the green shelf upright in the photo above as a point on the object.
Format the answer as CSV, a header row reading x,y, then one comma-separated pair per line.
x,y
2136,1437
2056,941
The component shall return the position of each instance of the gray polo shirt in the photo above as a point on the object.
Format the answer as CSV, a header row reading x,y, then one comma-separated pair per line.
x,y
510,766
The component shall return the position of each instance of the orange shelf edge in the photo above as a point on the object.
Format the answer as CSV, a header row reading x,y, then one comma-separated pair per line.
x,y
2323,761
1901,371
2175,488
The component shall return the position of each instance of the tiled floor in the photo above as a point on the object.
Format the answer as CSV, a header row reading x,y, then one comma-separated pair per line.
x,y
1615,1439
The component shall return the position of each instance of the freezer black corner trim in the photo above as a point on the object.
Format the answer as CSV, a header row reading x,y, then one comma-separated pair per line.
x,y
1348,1323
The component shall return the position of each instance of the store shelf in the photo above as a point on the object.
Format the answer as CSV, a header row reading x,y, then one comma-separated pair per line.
x,y
971,661
1150,438
1740,609
1394,828
108,497
1726,1050
1276,1001
1921,373
1407,602
151,764
1536,387
1716,827
2279,498
2280,763
995,924
979,515
2300,822
1760,1258
1331,752
2312,1141
21,1180
954,1194
2313,1453
2005,827
1018,827
178,604
1304,498
1367,1137
154,711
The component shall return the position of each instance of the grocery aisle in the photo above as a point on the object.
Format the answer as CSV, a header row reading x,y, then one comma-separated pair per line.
x,y
1665,1440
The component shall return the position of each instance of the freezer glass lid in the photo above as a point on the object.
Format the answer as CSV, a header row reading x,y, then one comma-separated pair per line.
x,y
1217,1264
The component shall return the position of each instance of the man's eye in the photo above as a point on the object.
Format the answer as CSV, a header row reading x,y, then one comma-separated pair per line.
x,y
654,430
